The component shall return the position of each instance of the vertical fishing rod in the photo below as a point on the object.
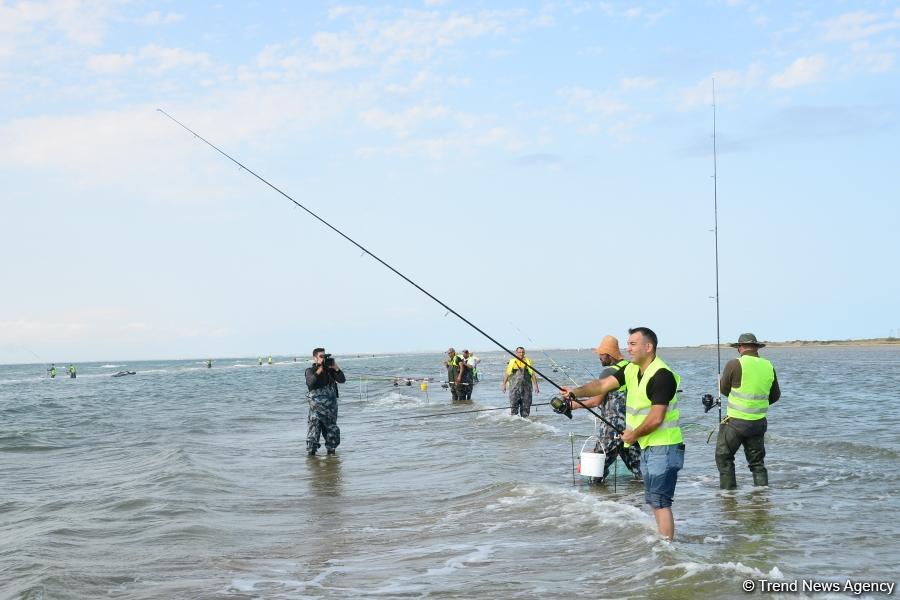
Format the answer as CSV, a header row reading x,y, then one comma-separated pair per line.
x,y
708,400
716,237
366,251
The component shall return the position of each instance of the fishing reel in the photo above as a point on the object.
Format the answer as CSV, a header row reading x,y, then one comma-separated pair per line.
x,y
709,402
561,405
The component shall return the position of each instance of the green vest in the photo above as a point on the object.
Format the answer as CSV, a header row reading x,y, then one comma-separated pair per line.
x,y
637,406
751,400
453,367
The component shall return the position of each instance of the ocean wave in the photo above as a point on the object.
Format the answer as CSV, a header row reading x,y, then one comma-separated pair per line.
x,y
23,441
540,506
271,579
501,416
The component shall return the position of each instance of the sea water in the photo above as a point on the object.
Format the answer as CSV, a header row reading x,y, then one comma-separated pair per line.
x,y
187,482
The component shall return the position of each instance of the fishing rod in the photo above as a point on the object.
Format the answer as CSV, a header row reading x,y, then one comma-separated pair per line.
x,y
708,400
385,264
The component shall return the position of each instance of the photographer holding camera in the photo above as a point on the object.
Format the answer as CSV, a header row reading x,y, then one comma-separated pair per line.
x,y
321,380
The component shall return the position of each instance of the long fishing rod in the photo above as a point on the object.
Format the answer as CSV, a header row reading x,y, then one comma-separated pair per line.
x,y
716,237
366,251
707,400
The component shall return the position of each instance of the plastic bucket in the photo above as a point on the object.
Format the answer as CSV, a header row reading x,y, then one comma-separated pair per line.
x,y
592,464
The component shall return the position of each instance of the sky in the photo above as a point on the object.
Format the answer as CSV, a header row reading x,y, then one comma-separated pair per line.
x,y
545,169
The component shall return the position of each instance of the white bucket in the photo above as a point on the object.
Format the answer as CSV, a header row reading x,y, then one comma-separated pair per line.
x,y
592,464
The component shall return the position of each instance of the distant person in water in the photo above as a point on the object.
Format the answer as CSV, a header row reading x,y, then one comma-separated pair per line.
x,y
466,378
71,370
321,381
259,362
521,379
209,363
453,373
270,360
473,361
52,371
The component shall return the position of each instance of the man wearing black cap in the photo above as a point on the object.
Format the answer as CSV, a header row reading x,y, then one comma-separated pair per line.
x,y
751,386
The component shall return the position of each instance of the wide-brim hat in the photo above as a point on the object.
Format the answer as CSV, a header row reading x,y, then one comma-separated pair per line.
x,y
747,339
609,345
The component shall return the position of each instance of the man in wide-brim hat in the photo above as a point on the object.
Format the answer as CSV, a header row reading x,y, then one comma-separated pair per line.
x,y
751,386
747,339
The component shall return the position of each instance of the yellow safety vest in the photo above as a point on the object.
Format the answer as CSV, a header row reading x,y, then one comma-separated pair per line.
x,y
750,401
637,406
515,363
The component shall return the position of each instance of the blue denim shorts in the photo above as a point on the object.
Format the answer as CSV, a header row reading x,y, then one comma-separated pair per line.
x,y
660,466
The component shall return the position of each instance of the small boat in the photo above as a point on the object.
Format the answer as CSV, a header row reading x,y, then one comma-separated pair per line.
x,y
123,373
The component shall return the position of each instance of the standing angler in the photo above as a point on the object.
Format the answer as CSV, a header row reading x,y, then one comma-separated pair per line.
x,y
453,373
321,380
751,386
466,377
521,378
651,420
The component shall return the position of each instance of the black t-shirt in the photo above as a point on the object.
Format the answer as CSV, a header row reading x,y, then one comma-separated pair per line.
x,y
660,388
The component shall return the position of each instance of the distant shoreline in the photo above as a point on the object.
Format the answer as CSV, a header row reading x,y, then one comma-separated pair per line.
x,y
889,341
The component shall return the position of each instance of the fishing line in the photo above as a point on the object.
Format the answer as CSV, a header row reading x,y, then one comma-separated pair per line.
x,y
386,265
550,358
452,412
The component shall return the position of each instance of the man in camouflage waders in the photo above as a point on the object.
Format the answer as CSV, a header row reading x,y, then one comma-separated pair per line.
x,y
520,377
321,380
612,408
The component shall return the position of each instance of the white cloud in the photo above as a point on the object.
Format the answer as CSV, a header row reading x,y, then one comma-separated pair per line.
x,y
803,71
36,23
166,59
403,122
110,63
152,58
858,25
727,82
593,101
414,36
638,83
439,147
157,18
119,148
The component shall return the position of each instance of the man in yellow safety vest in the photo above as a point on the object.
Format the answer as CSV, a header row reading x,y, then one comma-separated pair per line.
x,y
651,420
751,386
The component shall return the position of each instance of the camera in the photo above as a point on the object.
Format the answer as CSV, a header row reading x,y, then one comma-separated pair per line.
x,y
328,362
708,402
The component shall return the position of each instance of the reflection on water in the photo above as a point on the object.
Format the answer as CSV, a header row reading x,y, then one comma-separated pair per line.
x,y
325,476
748,527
